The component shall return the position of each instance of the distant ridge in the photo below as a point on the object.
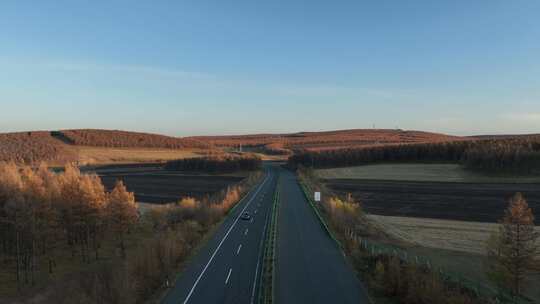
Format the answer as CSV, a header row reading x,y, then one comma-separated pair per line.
x,y
328,139
36,146
505,136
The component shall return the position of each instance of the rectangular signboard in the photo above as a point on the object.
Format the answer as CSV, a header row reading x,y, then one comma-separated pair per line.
x,y
317,196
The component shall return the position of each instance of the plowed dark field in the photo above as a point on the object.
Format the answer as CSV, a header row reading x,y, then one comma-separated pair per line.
x,y
154,185
457,201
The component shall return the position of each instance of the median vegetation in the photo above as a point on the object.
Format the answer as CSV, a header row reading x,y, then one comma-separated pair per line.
x,y
67,240
391,274
217,164
266,290
516,155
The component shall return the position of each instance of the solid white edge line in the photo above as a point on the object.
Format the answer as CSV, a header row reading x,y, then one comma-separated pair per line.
x,y
223,240
228,277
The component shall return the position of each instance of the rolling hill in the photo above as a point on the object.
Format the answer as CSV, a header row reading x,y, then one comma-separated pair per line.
x,y
326,140
99,146
74,145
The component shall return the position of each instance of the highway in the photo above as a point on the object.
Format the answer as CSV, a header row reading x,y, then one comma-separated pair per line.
x,y
310,268
227,268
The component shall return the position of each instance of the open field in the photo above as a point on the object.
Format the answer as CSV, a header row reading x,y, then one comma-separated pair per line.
x,y
422,173
155,185
102,155
483,202
456,246
435,233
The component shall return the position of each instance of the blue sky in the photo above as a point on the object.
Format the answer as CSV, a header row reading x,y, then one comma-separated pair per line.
x,y
227,67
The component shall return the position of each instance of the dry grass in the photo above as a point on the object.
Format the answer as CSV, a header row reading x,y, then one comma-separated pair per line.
x,y
100,155
147,207
422,173
461,236
455,246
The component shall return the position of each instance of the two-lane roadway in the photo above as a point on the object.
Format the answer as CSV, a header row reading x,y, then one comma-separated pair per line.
x,y
227,268
310,268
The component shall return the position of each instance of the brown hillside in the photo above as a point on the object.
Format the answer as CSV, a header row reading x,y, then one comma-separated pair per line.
x,y
31,147
328,140
125,139
62,146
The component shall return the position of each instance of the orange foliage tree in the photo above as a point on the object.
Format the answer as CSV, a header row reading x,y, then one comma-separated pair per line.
x,y
513,249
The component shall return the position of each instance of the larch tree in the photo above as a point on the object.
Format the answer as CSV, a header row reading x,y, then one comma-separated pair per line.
x,y
122,213
93,203
513,249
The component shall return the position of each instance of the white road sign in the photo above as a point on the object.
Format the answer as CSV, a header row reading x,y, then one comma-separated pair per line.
x,y
317,196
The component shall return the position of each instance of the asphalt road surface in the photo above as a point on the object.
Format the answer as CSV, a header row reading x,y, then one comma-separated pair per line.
x,y
309,267
227,268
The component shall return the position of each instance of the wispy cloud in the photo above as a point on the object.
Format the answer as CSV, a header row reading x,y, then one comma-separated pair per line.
x,y
129,69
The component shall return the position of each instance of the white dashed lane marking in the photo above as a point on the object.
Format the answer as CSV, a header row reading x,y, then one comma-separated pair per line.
x,y
238,250
228,277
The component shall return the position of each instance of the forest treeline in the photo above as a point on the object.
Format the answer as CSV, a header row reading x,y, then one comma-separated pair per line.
x,y
217,164
125,139
41,211
276,149
33,147
65,231
515,154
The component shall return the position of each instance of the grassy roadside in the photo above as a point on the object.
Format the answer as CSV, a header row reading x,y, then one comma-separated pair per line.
x,y
266,288
322,221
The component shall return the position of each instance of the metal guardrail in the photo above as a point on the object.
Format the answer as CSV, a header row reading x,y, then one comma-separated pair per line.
x,y
266,291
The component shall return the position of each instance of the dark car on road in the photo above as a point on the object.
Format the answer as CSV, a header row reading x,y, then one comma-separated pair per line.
x,y
245,216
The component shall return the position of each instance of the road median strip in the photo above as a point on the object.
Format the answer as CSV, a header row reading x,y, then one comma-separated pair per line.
x,y
266,288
